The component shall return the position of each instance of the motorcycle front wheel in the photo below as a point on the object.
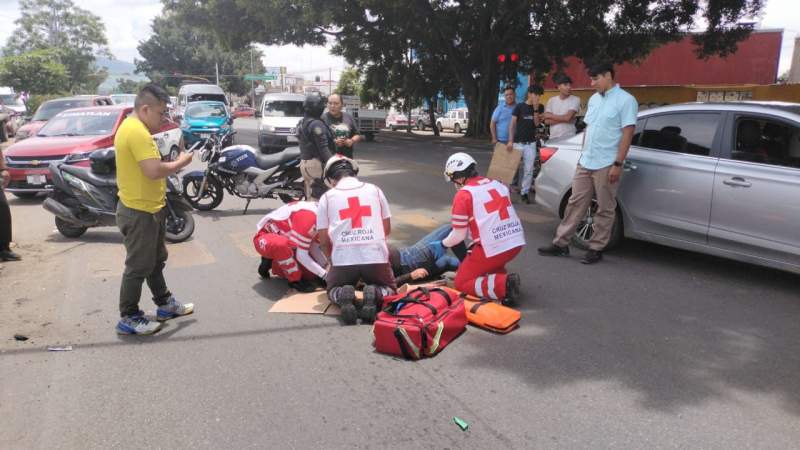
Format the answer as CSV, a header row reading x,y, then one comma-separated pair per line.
x,y
212,194
180,225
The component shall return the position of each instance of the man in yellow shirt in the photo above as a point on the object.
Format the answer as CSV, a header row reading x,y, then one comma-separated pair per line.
x,y
141,214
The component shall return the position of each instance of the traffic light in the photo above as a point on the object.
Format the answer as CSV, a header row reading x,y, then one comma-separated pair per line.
x,y
509,66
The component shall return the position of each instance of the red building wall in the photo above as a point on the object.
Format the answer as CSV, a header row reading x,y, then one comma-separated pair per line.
x,y
755,62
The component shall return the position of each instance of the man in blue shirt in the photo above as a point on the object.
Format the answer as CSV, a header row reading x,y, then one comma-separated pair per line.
x,y
501,117
610,120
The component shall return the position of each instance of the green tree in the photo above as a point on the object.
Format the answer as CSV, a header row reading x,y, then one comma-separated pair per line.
x,y
469,34
349,82
126,86
175,49
77,36
37,72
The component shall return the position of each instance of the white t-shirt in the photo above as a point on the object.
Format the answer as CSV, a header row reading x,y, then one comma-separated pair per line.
x,y
353,213
560,107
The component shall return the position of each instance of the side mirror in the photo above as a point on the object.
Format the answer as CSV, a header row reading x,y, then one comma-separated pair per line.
x,y
257,114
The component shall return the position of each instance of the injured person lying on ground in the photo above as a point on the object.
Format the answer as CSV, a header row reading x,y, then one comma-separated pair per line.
x,y
287,242
427,259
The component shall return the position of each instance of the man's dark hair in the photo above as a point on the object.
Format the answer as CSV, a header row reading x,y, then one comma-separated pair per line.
x,y
600,69
151,94
562,79
535,89
509,88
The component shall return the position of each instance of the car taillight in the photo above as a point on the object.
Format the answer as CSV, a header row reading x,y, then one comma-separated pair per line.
x,y
546,153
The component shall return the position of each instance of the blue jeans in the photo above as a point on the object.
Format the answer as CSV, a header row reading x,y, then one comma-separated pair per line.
x,y
530,155
429,249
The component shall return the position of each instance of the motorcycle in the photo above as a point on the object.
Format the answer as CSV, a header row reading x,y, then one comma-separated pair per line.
x,y
84,198
244,173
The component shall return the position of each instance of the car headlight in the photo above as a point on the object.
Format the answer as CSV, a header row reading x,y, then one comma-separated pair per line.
x,y
22,134
267,128
76,157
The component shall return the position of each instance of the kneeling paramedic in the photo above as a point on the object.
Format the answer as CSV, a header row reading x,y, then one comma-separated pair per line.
x,y
286,241
353,220
482,208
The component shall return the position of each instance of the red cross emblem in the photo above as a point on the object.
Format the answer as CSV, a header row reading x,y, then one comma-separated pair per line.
x,y
355,212
498,203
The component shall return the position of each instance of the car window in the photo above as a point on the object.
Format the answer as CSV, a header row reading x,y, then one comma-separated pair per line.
x,y
80,123
766,141
53,107
637,132
205,110
691,133
283,109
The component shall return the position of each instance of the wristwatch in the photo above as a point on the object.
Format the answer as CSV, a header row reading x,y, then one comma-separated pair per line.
x,y
618,163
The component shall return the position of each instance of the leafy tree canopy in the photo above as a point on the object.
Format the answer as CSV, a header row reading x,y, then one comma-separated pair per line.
x,y
464,37
75,35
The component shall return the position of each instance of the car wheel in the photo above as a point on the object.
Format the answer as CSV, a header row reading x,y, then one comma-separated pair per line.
x,y
585,229
456,128
393,128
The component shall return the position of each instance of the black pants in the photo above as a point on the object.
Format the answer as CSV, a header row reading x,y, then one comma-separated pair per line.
x,y
5,222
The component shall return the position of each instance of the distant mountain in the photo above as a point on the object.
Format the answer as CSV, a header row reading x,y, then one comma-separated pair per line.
x,y
117,69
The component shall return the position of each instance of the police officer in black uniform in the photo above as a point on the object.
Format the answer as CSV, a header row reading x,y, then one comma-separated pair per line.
x,y
316,145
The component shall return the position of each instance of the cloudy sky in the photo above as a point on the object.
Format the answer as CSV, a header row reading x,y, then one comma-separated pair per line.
x,y
126,30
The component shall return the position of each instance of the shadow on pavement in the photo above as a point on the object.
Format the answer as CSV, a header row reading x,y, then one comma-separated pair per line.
x,y
168,334
699,338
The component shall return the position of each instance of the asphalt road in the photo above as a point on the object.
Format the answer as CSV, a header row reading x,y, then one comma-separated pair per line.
x,y
652,348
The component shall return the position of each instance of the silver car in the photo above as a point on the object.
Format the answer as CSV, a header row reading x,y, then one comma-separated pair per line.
x,y
718,178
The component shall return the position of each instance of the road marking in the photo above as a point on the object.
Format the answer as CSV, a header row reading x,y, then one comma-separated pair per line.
x,y
244,242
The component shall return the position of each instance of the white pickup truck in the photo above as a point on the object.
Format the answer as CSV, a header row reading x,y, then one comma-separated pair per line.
x,y
369,121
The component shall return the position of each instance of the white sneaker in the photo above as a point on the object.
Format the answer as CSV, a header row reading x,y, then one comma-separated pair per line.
x,y
137,324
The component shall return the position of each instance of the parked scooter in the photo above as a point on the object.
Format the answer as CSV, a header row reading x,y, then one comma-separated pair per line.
x,y
244,172
84,198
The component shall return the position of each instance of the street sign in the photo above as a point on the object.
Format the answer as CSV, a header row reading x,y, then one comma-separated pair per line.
x,y
264,77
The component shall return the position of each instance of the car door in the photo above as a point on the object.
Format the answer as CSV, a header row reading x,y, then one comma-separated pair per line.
x,y
756,206
666,186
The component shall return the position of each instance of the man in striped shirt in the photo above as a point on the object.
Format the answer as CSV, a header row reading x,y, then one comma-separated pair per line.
x,y
287,242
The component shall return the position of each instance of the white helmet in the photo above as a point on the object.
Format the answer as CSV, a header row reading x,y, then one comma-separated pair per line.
x,y
335,162
457,162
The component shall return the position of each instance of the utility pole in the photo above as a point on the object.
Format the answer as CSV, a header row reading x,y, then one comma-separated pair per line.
x,y
216,68
330,82
252,82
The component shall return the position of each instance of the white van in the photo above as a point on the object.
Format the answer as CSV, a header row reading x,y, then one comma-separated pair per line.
x,y
279,115
198,92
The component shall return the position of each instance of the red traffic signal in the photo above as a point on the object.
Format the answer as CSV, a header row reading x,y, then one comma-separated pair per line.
x,y
501,58
514,57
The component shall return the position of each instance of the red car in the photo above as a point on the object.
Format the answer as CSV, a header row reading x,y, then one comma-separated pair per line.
x,y
243,111
50,108
70,137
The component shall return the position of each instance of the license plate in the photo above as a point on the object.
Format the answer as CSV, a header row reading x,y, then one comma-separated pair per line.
x,y
36,179
291,138
205,135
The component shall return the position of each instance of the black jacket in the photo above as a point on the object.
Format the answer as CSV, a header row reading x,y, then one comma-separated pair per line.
x,y
315,139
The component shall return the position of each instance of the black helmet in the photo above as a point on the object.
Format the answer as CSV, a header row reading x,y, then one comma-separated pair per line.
x,y
314,104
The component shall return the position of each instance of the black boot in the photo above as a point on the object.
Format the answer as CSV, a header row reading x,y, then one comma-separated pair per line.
x,y
554,250
513,283
263,268
345,296
373,299
302,286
